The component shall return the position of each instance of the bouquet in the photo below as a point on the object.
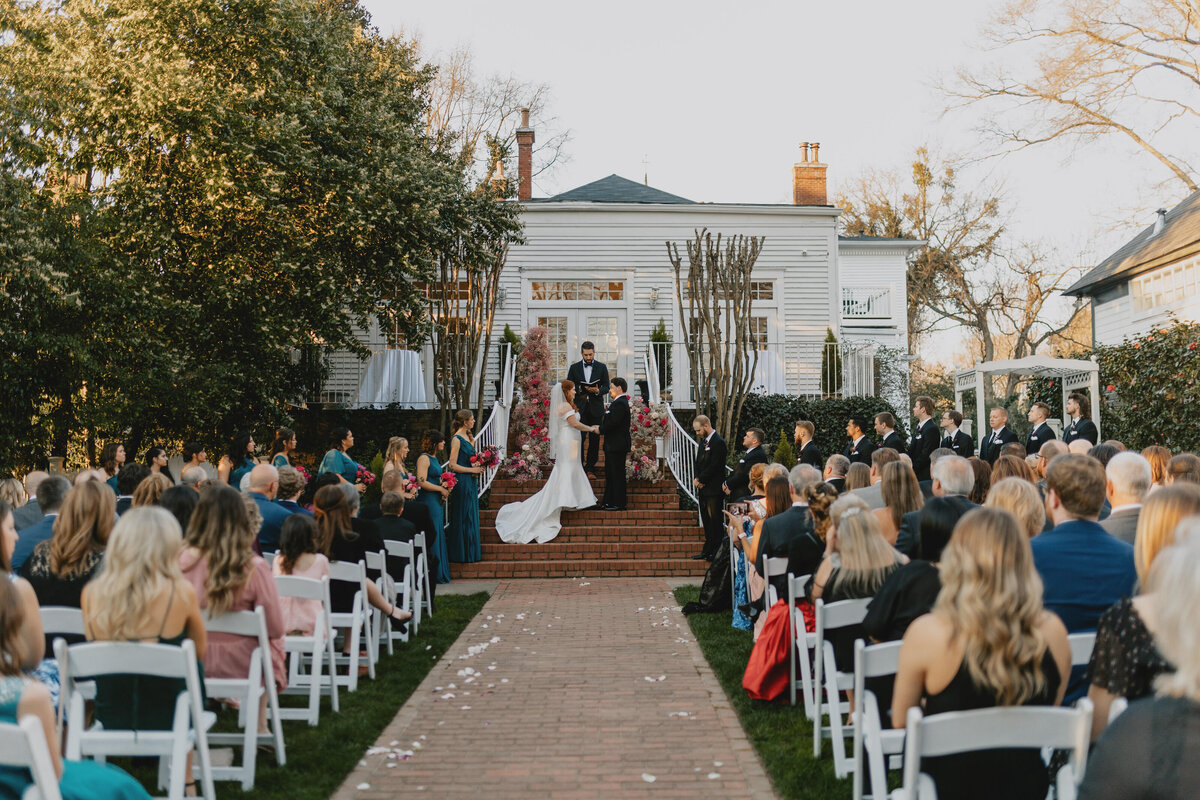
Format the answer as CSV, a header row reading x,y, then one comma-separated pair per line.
x,y
303,472
364,476
487,457
449,479
411,484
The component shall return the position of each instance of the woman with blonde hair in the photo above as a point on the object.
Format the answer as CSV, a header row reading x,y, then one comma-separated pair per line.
x,y
12,492
1158,456
61,566
1125,659
1020,498
901,494
150,489
858,476
397,451
988,642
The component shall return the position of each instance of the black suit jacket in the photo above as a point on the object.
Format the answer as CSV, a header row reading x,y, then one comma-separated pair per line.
x,y
810,454
614,426
1083,429
962,444
908,540
838,483
710,466
739,480
862,453
989,450
396,529
789,535
1038,437
591,406
924,441
894,441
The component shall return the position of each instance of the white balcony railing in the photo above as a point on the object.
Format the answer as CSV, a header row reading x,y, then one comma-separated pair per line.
x,y
862,302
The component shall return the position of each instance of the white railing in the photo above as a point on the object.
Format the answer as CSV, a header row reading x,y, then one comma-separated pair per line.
x,y
863,302
680,449
494,432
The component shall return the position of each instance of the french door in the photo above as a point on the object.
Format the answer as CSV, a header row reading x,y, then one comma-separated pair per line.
x,y
570,328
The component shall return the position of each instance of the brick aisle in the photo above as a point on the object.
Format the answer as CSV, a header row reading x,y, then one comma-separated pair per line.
x,y
560,705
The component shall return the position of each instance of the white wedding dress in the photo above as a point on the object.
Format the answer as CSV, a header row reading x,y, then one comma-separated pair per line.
x,y
536,519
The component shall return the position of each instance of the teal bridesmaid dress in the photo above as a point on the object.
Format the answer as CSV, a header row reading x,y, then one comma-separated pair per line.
x,y
462,537
437,515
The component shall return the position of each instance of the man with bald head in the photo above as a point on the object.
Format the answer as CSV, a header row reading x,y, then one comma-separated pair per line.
x,y
264,484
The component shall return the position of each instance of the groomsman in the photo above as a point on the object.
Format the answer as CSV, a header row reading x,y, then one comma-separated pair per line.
x,y
1081,427
1039,412
924,438
885,428
998,436
807,451
737,485
615,427
956,440
589,400
860,448
709,479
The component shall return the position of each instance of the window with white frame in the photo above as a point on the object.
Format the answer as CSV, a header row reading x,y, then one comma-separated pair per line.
x,y
577,290
1165,286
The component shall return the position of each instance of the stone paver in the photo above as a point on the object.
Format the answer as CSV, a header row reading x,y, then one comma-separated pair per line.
x,y
578,688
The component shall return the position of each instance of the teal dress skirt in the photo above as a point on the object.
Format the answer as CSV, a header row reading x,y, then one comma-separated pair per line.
x,y
437,516
81,780
462,535
342,464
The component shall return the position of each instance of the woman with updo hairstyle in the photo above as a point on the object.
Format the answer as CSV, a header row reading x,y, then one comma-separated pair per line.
x,y
282,447
432,495
149,490
820,496
462,534
988,642
1011,467
1158,456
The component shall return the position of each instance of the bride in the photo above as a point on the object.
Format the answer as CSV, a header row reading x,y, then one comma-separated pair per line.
x,y
535,519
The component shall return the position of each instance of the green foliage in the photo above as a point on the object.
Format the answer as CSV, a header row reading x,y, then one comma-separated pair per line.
x,y
513,340
660,338
659,333
831,365
783,450
781,412
374,492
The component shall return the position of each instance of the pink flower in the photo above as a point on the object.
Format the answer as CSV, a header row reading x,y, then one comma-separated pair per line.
x,y
1110,388
1192,346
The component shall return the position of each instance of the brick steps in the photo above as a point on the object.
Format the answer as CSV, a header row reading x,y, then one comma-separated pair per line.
x,y
638,517
591,568
576,549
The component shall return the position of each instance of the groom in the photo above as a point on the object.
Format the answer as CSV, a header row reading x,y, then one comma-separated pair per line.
x,y
614,426
589,400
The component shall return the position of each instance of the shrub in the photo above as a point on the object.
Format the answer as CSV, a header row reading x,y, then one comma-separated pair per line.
x,y
780,412
831,366
783,451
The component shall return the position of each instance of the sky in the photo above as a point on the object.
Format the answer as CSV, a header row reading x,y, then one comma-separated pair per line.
x,y
716,98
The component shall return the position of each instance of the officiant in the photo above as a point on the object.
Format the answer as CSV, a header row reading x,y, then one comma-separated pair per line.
x,y
591,379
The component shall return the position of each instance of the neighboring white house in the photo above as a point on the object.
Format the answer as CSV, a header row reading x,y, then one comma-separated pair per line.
x,y
594,267
1154,276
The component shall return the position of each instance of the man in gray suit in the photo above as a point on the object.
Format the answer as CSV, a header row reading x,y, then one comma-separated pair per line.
x,y
1129,480
30,514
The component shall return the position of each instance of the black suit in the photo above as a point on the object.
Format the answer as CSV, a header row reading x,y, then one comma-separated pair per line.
x,y
1082,429
810,454
838,483
924,442
962,444
789,535
591,408
396,529
739,480
894,441
710,471
993,443
860,453
615,427
908,540
1038,437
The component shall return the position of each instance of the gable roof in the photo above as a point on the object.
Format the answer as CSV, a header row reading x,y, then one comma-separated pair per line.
x,y
1179,237
614,189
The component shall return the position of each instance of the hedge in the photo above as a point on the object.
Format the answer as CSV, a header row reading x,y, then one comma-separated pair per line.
x,y
776,413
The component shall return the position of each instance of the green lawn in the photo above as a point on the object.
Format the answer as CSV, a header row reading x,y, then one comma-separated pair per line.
x,y
318,759
779,732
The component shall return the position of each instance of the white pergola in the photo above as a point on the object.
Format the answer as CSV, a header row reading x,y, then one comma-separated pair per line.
x,y
1076,374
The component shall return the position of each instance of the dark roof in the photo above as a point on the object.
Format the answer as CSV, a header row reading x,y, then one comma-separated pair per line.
x,y
1179,237
614,189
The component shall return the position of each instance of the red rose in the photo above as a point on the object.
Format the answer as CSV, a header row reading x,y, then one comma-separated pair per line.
x,y
648,423
1149,338
1136,345
546,402
1192,346
1110,388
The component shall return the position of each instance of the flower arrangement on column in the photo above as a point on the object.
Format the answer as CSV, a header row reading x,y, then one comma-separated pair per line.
x,y
646,423
528,429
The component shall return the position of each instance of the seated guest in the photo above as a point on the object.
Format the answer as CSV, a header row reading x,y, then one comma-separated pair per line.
x,y
1103,453
1020,498
901,495
999,435
1085,570
1031,461
149,490
263,486
392,481
28,643
1185,468
988,642
227,575
1048,452
291,486
1080,447
1010,467
52,492
1125,660
858,477
983,480
393,527
1150,750
737,483
128,480
952,477
1129,479
30,512
788,532
941,452
807,451
194,478
298,557
1114,443
1158,456
746,537
956,440
181,502
1014,449
835,471
873,493
12,493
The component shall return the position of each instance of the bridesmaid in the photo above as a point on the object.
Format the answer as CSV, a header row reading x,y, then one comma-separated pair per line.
x,y
112,458
238,461
462,536
336,460
432,495
282,447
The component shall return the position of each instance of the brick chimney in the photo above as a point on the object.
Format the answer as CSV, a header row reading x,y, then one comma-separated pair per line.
x,y
808,178
524,158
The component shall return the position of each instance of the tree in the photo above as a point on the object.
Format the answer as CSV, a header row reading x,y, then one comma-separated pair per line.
x,y
1089,69
715,315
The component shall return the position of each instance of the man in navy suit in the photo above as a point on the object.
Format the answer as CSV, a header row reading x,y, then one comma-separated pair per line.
x,y
955,439
589,400
885,428
709,477
924,439
264,485
860,448
1041,433
614,425
997,437
1081,427
291,486
50,496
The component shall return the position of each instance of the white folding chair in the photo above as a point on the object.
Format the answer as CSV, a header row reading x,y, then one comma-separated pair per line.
x,y
309,651
381,624
402,595
66,621
1117,708
827,678
872,661
422,586
803,644
191,723
877,744
1081,647
355,622
248,690
991,728
775,568
24,745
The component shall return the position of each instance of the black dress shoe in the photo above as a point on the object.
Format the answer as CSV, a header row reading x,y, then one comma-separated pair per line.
x,y
701,557
613,508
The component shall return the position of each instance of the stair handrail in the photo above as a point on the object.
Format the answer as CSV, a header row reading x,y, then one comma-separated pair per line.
x,y
494,432
650,362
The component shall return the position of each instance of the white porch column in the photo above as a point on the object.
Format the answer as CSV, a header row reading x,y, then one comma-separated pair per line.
x,y
1094,389
979,409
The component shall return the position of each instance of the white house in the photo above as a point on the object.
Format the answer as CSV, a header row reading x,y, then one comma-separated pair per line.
x,y
595,268
1153,276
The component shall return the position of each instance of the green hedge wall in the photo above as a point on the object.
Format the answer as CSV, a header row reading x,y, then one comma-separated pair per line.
x,y
778,412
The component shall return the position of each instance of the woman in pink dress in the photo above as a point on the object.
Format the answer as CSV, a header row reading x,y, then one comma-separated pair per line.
x,y
299,558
